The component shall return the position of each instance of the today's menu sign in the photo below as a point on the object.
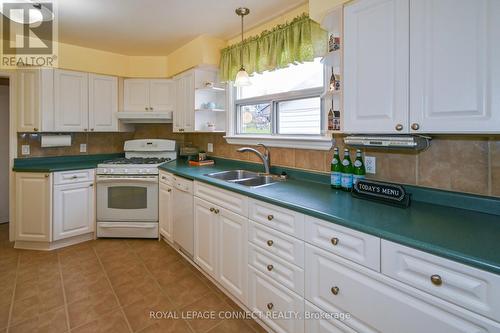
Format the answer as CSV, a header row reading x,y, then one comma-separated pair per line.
x,y
383,192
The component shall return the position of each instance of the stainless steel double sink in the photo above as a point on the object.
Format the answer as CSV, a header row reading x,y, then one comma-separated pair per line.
x,y
246,178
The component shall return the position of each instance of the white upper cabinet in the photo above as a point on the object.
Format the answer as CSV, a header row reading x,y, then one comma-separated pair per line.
x,y
103,103
35,98
455,66
70,101
184,105
376,66
161,95
422,66
157,95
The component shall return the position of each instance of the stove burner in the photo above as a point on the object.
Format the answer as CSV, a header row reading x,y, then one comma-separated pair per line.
x,y
138,160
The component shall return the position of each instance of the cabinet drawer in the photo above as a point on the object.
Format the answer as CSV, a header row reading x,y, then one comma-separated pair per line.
x,y
74,176
318,321
278,218
335,284
277,269
353,245
475,290
222,198
166,178
272,300
286,247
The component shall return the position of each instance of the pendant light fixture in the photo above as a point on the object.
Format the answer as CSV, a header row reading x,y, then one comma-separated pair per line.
x,y
242,78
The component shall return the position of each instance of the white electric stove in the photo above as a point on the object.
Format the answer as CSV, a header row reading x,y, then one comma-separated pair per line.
x,y
127,189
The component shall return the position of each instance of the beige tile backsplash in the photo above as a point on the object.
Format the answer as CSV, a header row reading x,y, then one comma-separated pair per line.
x,y
458,163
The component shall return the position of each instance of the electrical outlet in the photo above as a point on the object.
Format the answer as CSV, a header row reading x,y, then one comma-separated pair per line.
x,y
25,149
210,147
83,147
371,164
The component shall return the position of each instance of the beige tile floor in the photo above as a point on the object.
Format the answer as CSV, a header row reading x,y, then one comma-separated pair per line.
x,y
108,286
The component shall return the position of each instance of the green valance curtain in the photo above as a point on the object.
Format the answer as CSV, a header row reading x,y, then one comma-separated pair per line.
x,y
300,40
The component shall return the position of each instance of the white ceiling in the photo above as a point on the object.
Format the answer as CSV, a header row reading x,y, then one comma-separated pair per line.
x,y
157,27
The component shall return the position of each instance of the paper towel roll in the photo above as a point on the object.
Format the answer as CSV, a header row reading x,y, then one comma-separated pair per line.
x,y
56,141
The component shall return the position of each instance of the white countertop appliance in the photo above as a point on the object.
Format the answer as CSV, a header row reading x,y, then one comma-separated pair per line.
x,y
127,189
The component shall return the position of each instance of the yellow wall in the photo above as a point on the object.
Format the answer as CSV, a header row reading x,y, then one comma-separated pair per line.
x,y
319,8
201,50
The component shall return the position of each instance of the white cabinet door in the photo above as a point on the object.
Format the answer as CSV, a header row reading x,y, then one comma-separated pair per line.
x,y
376,66
103,103
74,212
161,95
35,98
184,105
33,207
70,101
165,213
205,236
232,252
136,95
455,67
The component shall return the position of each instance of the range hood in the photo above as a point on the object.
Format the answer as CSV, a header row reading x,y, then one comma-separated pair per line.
x,y
144,117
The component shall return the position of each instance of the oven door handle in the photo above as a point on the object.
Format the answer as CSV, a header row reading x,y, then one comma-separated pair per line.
x,y
127,179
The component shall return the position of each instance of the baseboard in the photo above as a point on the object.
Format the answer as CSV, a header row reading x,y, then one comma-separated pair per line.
x,y
49,246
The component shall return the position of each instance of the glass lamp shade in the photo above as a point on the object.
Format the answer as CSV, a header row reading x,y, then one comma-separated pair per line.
x,y
242,78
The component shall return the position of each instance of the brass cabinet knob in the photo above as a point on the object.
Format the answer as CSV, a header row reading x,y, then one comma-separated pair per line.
x,y
163,177
270,217
212,209
335,290
46,175
399,127
436,280
91,129
146,108
270,306
270,267
415,126
151,108
216,211
335,241
85,129
169,190
91,185
35,129
270,243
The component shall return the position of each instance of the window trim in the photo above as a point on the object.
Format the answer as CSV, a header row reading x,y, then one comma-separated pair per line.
x,y
301,141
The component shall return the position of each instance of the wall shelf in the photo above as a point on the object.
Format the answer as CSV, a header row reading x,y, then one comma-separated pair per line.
x,y
210,110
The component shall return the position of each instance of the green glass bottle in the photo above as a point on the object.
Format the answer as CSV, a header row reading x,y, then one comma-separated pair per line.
x,y
336,170
347,171
359,168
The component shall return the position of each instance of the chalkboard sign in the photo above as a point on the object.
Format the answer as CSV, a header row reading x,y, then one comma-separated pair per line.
x,y
392,194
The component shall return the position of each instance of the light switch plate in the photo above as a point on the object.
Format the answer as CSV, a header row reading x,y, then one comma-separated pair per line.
x,y
83,147
371,164
210,147
25,149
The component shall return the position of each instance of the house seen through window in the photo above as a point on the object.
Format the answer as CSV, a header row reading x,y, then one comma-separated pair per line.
x,y
282,102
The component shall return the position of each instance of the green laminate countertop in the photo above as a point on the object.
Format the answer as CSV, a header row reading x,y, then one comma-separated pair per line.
x,y
468,236
61,163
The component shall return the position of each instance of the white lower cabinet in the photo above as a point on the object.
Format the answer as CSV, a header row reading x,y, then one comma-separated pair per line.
x,y
280,309
220,246
73,209
380,304
33,207
165,215
319,321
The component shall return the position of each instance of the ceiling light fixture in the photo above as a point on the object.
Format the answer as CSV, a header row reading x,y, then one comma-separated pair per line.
x,y
242,78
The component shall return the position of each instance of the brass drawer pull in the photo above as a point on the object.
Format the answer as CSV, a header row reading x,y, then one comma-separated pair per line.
x,y
212,209
216,211
270,217
169,190
270,306
335,290
270,267
335,241
270,243
436,280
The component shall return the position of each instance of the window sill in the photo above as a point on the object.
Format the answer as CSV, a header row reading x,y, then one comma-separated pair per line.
x,y
310,142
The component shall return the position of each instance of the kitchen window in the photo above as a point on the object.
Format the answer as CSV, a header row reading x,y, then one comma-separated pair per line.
x,y
281,108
